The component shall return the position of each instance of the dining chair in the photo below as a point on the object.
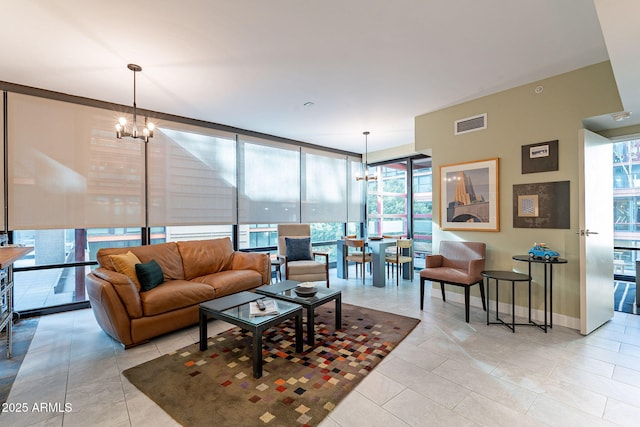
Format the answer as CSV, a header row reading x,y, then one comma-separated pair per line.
x,y
389,250
356,253
403,254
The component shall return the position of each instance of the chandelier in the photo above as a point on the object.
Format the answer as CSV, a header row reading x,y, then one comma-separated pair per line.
x,y
366,176
121,127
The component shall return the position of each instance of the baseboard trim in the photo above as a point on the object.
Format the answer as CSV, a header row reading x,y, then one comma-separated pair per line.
x,y
536,314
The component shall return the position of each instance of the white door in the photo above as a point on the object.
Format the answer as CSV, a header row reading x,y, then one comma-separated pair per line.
x,y
596,230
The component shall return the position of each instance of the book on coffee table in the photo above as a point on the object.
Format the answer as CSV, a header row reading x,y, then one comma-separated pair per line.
x,y
270,308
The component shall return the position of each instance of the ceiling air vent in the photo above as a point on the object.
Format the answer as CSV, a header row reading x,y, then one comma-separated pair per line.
x,y
470,124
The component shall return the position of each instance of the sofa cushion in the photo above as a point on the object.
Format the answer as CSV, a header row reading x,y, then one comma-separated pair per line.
x,y
253,261
298,249
149,274
165,254
231,281
203,257
297,268
126,264
173,295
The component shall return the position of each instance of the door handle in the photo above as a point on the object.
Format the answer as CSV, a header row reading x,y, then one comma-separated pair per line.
x,y
586,232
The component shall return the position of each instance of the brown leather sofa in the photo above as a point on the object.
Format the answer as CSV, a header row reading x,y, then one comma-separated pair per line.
x,y
194,271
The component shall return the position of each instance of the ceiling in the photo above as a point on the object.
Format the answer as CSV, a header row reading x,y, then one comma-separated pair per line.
x,y
364,64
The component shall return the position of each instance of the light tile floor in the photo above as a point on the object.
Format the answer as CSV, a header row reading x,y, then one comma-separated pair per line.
x,y
446,372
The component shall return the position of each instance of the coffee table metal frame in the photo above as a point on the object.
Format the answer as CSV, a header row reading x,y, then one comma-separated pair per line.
x,y
513,277
235,310
284,291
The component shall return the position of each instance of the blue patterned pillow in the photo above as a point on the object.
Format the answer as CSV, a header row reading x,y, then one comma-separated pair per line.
x,y
298,249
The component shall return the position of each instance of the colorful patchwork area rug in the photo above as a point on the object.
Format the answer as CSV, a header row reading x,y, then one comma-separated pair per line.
x,y
216,387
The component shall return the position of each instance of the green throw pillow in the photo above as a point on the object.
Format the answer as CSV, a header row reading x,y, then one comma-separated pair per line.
x,y
298,249
149,275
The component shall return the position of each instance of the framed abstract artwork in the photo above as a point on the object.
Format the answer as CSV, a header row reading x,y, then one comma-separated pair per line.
x,y
541,205
469,196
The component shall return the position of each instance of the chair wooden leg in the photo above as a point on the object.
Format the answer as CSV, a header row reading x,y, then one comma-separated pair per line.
x,y
398,275
442,289
484,305
326,273
467,298
422,279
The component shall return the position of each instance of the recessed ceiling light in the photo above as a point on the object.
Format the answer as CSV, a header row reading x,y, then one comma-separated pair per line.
x,y
308,104
623,115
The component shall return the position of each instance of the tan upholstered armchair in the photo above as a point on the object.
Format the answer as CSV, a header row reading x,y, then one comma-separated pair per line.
x,y
459,264
298,258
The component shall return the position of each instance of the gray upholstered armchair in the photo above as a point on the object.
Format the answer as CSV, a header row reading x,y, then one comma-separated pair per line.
x,y
297,255
459,264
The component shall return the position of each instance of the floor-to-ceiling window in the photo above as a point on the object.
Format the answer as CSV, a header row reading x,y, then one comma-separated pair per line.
x,y
387,202
422,210
399,202
626,205
74,188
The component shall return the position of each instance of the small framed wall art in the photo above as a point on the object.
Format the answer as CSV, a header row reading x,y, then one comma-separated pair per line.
x,y
541,157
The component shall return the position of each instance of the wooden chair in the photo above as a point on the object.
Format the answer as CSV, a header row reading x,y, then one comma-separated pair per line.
x,y
403,254
389,250
356,253
351,236
458,264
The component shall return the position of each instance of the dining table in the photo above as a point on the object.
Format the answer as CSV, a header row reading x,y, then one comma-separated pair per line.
x,y
377,246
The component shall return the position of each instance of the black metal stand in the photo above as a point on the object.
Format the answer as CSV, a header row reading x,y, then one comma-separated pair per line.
x,y
512,277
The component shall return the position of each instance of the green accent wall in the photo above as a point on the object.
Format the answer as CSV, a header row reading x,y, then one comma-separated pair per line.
x,y
518,117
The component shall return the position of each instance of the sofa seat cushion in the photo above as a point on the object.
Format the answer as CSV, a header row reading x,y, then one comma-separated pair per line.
x,y
448,274
231,281
203,257
173,295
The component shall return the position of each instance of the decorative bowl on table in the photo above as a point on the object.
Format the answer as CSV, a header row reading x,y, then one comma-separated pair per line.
x,y
305,290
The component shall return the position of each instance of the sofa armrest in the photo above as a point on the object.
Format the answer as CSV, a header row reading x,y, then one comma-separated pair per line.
x,y
433,261
253,261
108,309
125,288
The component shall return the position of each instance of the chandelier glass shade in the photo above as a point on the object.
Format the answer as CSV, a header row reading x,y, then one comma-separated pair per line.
x,y
146,131
366,176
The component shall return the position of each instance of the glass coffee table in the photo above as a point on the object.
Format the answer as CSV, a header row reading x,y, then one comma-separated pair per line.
x,y
235,310
283,291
